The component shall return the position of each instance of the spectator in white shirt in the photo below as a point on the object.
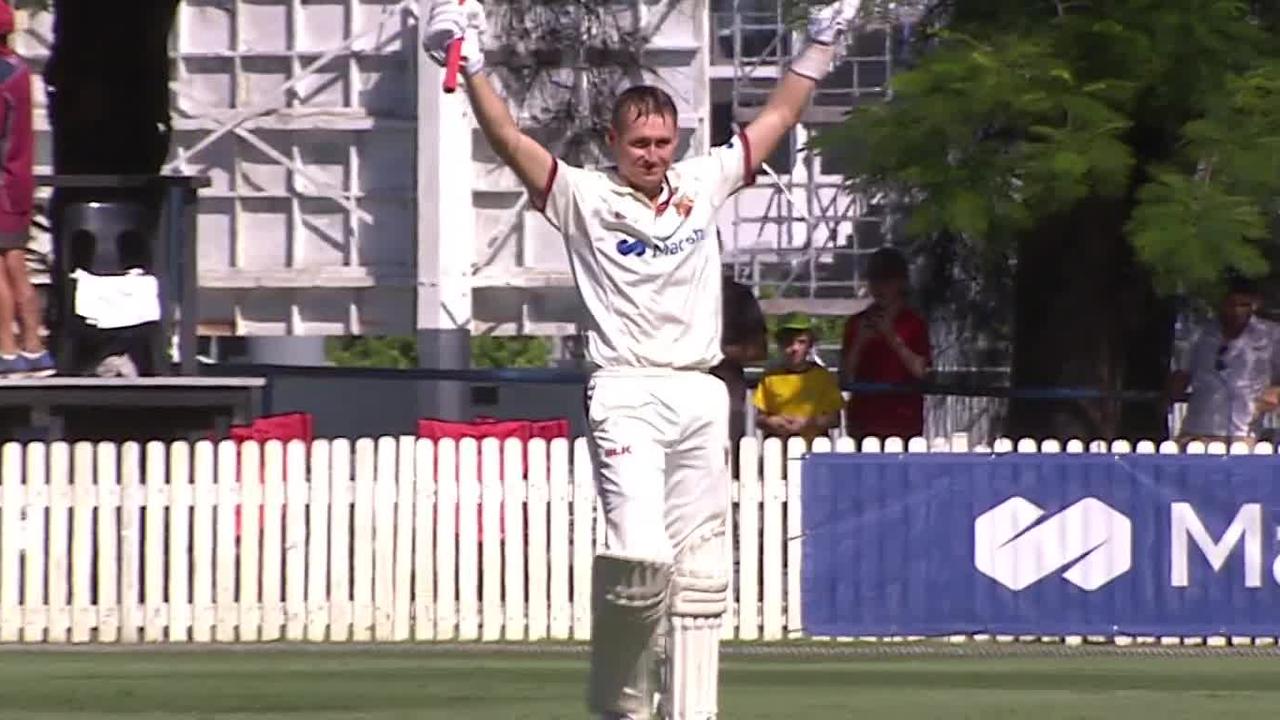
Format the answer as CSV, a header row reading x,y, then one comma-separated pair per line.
x,y
1232,373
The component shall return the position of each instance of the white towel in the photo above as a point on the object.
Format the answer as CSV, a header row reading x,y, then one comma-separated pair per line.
x,y
117,301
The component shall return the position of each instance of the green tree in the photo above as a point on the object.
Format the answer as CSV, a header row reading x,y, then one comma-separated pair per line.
x,y
510,352
392,351
1117,152
400,351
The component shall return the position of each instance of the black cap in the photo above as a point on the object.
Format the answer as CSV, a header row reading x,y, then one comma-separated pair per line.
x,y
1239,284
887,263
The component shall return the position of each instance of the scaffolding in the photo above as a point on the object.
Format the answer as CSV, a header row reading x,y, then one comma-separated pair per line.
x,y
799,237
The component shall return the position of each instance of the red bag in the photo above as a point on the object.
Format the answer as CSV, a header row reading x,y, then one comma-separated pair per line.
x,y
284,427
487,427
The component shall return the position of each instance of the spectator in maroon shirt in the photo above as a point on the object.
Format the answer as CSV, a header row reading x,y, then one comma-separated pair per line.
x,y
887,343
24,356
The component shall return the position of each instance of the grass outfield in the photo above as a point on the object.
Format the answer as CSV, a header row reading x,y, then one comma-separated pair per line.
x,y
398,682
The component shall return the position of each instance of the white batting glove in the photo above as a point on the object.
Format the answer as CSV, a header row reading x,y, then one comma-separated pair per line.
x,y
828,24
450,19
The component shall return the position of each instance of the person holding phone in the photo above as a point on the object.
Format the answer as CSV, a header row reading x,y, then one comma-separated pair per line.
x,y
888,343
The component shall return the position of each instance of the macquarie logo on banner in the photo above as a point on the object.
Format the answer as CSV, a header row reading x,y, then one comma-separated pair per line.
x,y
1016,543
928,544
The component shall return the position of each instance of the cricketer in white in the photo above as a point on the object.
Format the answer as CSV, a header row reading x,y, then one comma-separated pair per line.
x,y
642,242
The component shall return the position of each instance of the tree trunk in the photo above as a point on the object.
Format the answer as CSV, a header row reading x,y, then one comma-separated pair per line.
x,y
108,80
1086,316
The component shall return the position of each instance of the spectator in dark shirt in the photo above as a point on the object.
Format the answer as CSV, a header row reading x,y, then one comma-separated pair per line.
x,y
744,339
886,343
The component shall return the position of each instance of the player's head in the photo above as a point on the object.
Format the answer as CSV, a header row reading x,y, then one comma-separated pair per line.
x,y
643,137
1239,303
887,276
795,339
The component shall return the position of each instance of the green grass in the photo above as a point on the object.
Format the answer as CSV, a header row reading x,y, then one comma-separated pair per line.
x,y
418,683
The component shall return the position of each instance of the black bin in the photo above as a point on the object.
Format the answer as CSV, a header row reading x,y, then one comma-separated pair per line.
x,y
103,238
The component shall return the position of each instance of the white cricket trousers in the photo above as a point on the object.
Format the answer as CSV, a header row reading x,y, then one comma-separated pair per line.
x,y
660,440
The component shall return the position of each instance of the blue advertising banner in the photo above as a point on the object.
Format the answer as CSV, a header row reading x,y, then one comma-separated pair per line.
x,y
1041,544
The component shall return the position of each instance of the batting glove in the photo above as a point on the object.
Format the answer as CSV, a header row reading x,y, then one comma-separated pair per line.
x,y
828,24
450,19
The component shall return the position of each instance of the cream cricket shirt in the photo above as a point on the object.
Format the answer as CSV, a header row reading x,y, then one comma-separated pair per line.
x,y
649,277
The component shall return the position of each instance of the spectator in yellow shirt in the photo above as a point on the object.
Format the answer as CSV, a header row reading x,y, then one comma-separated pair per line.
x,y
799,397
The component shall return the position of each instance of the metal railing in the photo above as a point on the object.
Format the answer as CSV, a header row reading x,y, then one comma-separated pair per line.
x,y
972,403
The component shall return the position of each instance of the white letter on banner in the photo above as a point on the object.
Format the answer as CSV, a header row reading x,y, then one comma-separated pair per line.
x,y
1184,522
1275,564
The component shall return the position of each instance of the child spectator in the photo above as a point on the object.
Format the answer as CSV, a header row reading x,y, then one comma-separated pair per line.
x,y
799,397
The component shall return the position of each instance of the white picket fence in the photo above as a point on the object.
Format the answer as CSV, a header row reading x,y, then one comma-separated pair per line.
x,y
387,539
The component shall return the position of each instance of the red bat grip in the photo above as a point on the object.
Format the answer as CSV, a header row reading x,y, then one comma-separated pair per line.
x,y
452,59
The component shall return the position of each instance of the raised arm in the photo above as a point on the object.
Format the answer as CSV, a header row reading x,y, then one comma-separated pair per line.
x,y
531,162
827,26
450,19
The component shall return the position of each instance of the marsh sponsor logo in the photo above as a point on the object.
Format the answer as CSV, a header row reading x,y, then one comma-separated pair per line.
x,y
632,247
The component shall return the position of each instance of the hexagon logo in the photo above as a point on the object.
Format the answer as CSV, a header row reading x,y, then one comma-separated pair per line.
x,y
1089,542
